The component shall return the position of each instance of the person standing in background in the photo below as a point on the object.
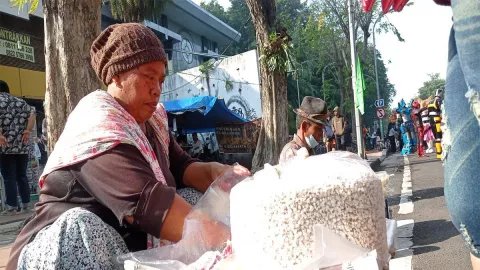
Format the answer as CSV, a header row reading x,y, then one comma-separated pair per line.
x,y
348,137
373,138
391,137
17,120
338,123
328,134
181,138
197,147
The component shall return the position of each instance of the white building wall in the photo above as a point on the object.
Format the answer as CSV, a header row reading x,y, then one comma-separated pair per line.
x,y
241,93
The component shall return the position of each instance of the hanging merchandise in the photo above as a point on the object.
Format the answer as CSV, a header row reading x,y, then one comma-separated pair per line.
x,y
398,5
367,5
386,5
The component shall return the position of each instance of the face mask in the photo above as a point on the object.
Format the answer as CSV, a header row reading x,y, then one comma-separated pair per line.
x,y
312,143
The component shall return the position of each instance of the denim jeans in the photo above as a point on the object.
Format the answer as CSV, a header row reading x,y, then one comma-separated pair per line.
x,y
461,139
340,142
14,172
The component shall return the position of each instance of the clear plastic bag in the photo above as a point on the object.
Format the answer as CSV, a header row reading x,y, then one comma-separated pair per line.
x,y
391,236
384,178
331,252
281,212
213,212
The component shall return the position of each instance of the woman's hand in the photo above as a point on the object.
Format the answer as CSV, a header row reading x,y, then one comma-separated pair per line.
x,y
230,178
26,137
3,141
201,175
202,231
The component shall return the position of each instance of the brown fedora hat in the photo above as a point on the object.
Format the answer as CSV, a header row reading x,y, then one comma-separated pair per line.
x,y
314,109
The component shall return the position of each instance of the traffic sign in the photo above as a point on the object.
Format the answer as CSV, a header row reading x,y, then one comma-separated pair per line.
x,y
379,103
381,113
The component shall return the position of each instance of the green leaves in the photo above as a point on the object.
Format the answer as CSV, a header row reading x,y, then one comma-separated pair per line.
x,y
206,67
21,4
278,56
430,87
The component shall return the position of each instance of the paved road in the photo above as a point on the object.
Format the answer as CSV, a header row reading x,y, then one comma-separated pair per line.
x,y
436,243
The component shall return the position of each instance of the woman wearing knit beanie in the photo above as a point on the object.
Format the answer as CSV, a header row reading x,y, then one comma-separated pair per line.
x,y
112,177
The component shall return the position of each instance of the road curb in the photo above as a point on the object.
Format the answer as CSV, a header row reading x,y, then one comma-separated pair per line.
x,y
375,164
10,227
12,221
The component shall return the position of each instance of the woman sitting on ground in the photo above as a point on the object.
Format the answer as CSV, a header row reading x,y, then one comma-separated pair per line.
x,y
112,176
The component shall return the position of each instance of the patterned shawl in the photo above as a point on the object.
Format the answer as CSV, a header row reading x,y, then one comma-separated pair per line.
x,y
98,124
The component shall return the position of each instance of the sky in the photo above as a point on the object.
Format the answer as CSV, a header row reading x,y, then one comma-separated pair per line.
x,y
425,27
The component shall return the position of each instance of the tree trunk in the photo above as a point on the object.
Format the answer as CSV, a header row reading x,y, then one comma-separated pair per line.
x,y
274,129
70,28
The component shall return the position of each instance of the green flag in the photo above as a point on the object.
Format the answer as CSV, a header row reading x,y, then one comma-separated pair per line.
x,y
359,102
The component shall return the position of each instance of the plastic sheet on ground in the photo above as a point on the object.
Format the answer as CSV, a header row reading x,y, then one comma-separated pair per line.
x,y
332,252
212,210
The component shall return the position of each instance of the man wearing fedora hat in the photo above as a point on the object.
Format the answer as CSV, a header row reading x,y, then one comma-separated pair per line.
x,y
311,119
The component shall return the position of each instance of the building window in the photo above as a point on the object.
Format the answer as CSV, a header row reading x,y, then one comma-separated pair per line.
x,y
207,45
164,21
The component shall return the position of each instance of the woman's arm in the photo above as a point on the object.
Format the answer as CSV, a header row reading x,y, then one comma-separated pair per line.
x,y
172,228
201,175
123,181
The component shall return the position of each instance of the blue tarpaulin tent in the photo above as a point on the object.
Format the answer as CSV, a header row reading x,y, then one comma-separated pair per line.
x,y
200,114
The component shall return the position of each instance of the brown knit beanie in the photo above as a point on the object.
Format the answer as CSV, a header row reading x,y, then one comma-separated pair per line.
x,y
122,47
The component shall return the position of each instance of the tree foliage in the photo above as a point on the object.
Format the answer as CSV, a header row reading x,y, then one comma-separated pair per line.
x,y
429,87
320,42
125,10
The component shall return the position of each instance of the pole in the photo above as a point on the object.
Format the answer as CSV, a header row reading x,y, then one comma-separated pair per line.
x,y
298,90
353,53
376,71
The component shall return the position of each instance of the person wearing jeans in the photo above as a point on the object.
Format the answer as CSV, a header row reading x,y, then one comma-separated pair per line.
x,y
17,119
338,124
461,124
14,172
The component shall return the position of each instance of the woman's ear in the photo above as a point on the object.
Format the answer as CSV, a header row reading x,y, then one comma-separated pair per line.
x,y
116,81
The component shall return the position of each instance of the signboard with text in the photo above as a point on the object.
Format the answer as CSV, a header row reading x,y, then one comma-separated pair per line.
x,y
379,103
381,113
16,45
237,138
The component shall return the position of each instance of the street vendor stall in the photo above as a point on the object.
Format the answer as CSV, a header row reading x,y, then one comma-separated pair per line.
x,y
199,114
227,133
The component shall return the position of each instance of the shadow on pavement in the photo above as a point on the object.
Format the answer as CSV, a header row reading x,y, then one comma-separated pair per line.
x,y
428,193
433,231
421,161
424,249
418,195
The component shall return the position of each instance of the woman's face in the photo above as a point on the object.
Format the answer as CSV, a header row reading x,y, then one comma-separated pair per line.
x,y
139,89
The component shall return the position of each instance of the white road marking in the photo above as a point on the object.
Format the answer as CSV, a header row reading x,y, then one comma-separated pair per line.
x,y
406,204
404,240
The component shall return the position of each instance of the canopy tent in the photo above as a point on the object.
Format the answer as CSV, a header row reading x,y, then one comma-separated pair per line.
x,y
199,114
